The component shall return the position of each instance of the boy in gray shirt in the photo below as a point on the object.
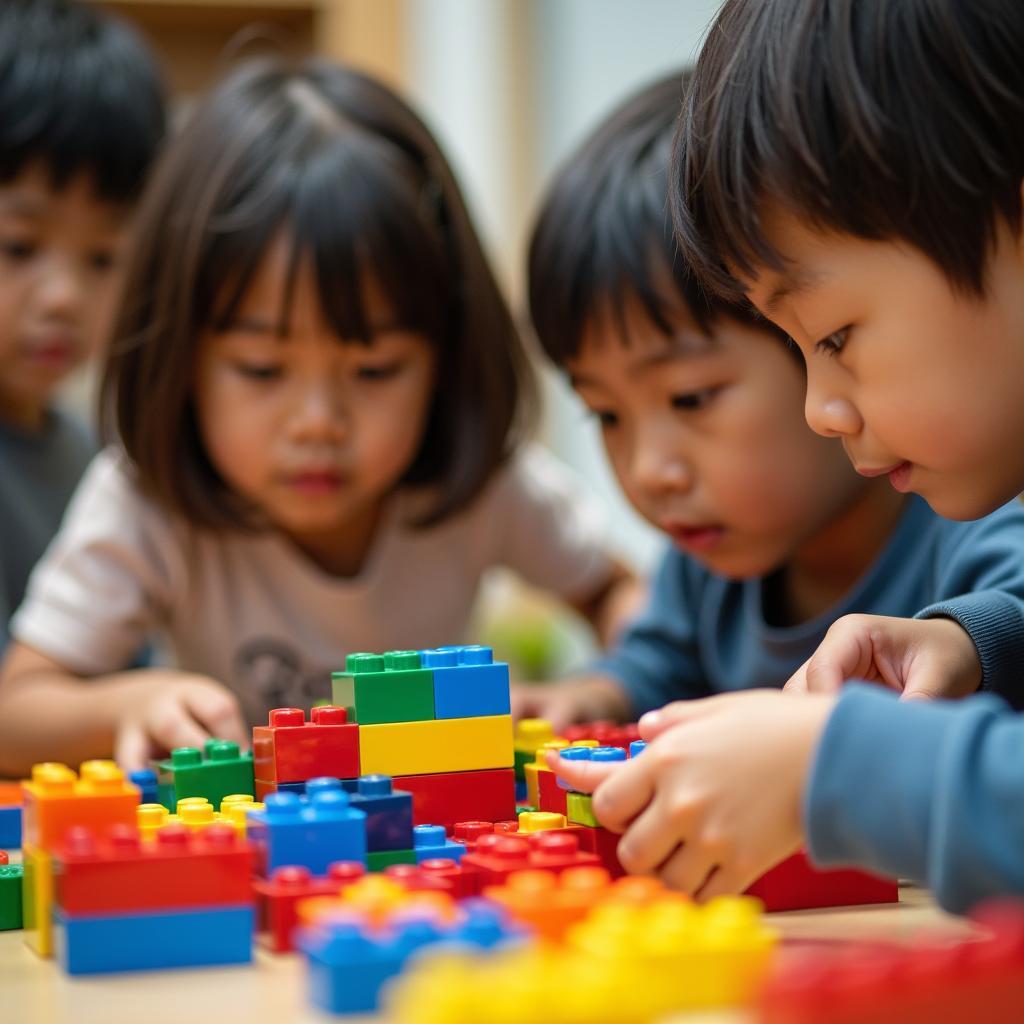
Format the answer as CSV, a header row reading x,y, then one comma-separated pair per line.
x,y
81,116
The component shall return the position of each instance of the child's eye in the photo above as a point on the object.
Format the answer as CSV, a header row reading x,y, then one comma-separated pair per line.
x,y
261,372
833,344
605,418
691,400
18,250
101,260
373,373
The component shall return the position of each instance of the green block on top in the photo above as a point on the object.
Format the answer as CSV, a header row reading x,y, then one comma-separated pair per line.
x,y
10,896
378,860
579,811
377,689
216,771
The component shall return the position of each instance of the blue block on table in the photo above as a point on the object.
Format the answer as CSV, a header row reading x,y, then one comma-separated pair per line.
x,y
431,841
145,779
603,754
468,682
311,832
143,942
388,813
10,828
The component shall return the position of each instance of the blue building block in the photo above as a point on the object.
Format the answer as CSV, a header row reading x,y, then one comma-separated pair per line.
x,y
145,779
10,828
637,747
589,754
348,964
320,783
312,832
468,683
522,790
143,942
430,841
388,813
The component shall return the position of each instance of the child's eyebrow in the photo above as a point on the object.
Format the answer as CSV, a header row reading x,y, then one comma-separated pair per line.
x,y
794,281
252,325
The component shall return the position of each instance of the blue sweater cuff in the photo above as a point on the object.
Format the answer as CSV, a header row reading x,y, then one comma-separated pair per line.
x,y
995,623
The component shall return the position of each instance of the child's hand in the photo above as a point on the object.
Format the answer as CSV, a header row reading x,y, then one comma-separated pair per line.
x,y
573,700
919,657
714,800
176,710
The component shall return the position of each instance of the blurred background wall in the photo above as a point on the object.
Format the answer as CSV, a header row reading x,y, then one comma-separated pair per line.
x,y
510,87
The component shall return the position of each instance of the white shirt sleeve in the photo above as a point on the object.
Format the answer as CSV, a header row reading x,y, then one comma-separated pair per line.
x,y
98,593
549,527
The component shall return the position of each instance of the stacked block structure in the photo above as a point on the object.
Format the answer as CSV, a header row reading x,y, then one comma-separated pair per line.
x,y
216,771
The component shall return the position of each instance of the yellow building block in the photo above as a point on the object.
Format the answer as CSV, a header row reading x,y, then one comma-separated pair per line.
x,y
539,764
443,745
236,808
152,817
531,733
37,899
540,821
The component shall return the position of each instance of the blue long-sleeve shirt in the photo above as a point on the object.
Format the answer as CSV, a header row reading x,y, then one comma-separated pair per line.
x,y
932,791
703,634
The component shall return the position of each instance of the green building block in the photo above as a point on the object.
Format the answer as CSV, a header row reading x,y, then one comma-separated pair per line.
x,y
579,811
377,689
521,759
378,860
217,771
10,896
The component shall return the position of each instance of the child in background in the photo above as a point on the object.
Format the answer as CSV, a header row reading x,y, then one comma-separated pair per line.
x,y
318,390
700,403
81,115
878,221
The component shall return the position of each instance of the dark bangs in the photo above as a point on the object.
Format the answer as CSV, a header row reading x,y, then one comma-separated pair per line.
x,y
334,162
80,92
604,231
875,118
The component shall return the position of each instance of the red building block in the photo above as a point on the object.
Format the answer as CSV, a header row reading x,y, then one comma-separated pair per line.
x,y
290,749
552,797
279,895
497,856
461,880
11,794
118,873
448,797
795,884
607,734
605,845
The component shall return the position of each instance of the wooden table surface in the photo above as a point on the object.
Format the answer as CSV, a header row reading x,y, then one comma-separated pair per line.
x,y
272,990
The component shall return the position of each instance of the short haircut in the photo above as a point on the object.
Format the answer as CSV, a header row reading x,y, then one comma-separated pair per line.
x,y
882,119
604,230
355,179
79,92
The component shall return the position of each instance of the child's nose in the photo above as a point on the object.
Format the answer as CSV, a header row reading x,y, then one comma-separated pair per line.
x,y
319,414
831,414
657,470
61,291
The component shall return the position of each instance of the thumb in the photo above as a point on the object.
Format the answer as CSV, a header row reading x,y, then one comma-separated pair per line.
x,y
797,682
582,776
825,671
654,723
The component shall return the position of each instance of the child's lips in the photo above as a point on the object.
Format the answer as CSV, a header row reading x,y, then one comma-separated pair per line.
x,y
316,481
698,539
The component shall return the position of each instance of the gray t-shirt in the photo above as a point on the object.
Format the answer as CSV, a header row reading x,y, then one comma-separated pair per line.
x,y
38,474
253,612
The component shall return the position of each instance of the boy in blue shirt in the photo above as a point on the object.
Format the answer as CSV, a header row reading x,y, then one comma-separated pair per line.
x,y
855,171
81,115
700,403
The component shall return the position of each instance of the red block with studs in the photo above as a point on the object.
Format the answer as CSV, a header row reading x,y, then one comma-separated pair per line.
x,y
290,749
116,872
448,797
497,856
551,796
605,845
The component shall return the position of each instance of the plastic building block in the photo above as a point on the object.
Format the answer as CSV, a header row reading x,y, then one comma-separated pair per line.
x,y
605,734
539,764
279,895
605,845
10,828
550,904
550,795
290,749
263,788
579,811
497,856
468,683
349,962
378,860
196,812
447,797
444,745
215,772
637,747
145,779
530,734
586,753
11,794
311,832
540,821
431,842
979,978
37,899
795,884
137,942
151,818
56,800
392,687
11,883
117,872
461,880
235,809
388,813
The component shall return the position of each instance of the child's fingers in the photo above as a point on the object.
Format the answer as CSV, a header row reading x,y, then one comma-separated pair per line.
x,y
725,880
688,869
625,793
218,712
654,723
131,748
649,841
797,682
177,728
583,776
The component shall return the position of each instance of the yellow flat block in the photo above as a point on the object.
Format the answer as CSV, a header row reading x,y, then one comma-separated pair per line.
x,y
443,745
37,899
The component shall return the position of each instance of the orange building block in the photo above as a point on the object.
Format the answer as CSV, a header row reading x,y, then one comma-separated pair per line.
x,y
550,904
56,799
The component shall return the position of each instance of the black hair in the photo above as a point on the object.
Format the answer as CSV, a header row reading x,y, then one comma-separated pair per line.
x,y
80,92
355,180
883,119
604,230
